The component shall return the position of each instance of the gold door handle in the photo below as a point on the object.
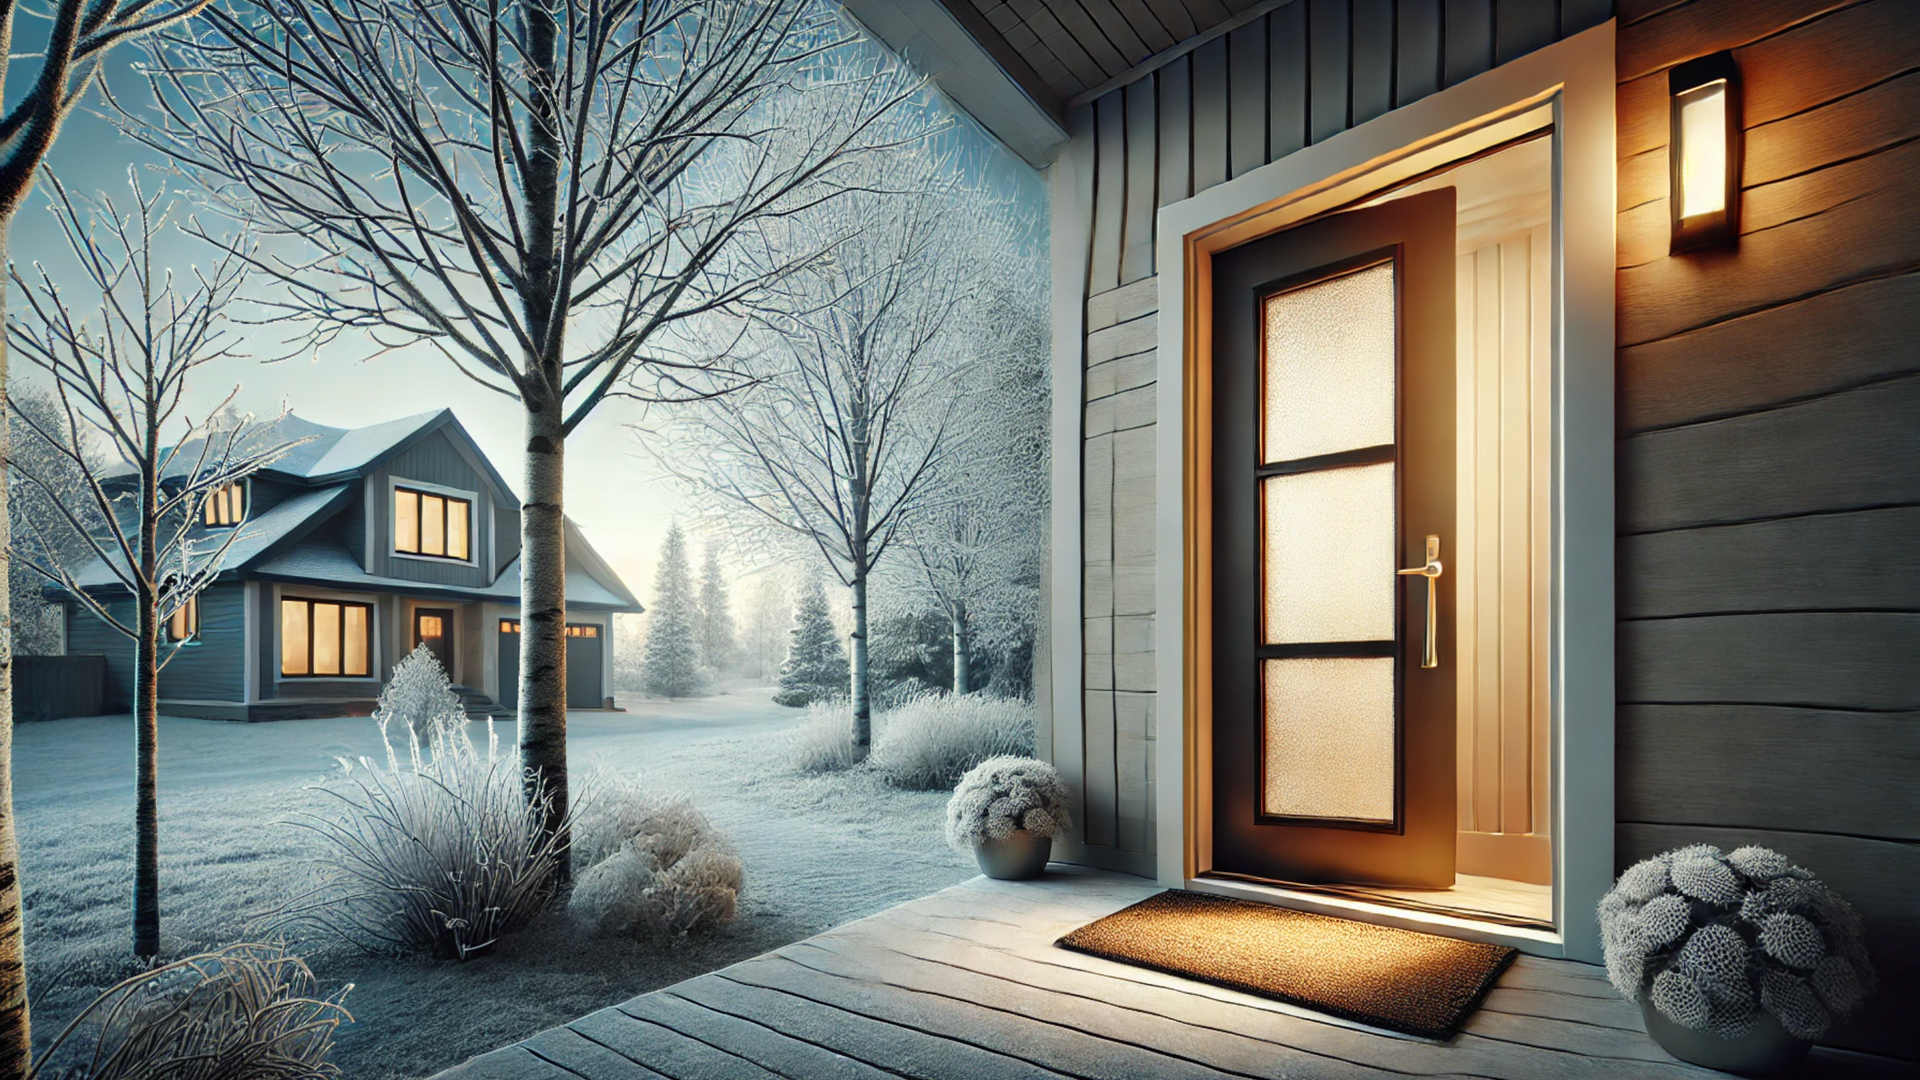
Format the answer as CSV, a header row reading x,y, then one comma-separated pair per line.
x,y
1432,571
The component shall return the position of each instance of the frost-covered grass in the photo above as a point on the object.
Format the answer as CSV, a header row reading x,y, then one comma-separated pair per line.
x,y
823,740
928,742
817,851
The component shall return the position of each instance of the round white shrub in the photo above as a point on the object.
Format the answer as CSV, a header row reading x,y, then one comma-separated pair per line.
x,y
1713,939
1004,794
656,869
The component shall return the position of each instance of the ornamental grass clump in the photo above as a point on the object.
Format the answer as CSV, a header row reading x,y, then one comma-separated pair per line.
x,y
657,869
245,1012
823,740
927,741
440,850
1002,795
1714,940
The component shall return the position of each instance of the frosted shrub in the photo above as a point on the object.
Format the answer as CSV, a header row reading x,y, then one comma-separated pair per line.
x,y
1713,939
823,740
437,851
245,1012
1004,794
657,870
927,742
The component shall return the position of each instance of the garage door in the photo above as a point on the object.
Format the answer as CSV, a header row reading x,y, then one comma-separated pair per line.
x,y
586,660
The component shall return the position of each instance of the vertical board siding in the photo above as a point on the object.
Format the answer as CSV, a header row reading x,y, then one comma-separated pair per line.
x,y
433,460
1300,73
1768,637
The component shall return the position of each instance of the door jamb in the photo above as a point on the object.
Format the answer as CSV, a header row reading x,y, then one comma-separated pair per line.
x,y
1569,85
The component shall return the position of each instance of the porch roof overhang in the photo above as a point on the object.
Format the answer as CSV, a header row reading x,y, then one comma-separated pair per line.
x,y
332,566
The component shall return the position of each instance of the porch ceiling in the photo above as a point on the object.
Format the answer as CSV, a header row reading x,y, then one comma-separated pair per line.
x,y
967,983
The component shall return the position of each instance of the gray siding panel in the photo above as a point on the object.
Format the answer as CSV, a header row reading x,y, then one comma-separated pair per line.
x,y
211,668
433,460
87,635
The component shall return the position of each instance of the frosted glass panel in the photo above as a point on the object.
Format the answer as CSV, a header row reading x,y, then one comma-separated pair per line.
x,y
1329,366
1330,555
1329,738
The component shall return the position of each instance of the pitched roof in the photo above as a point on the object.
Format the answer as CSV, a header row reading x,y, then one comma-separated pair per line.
x,y
327,562
288,518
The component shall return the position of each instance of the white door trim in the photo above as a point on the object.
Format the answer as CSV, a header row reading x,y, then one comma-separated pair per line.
x,y
1571,86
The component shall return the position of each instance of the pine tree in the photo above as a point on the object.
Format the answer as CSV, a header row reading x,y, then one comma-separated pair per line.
x,y
816,669
671,665
716,622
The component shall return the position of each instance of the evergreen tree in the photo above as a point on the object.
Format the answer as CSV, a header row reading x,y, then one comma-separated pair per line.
x,y
816,669
716,622
671,664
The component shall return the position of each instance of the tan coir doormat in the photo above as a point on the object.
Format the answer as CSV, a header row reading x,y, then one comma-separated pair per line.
x,y
1421,984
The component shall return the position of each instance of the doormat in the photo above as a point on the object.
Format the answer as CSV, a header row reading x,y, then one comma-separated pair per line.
x,y
1421,984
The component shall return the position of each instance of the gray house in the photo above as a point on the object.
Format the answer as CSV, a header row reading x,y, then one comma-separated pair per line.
x,y
355,548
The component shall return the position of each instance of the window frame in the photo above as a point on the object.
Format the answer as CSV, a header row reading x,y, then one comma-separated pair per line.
x,y
448,495
280,645
240,518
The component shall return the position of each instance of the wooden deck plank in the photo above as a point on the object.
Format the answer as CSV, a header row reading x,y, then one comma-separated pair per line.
x,y
1047,1043
1508,1043
774,1050
966,984
904,1051
668,1051
582,1056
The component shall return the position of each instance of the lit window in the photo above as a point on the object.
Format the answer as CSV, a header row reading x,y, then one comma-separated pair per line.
x,y
509,626
578,630
432,525
225,507
321,638
185,623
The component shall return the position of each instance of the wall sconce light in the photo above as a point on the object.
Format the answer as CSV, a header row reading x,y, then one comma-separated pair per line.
x,y
1705,151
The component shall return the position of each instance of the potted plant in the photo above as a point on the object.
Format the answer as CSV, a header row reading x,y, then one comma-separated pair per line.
x,y
1739,961
1008,810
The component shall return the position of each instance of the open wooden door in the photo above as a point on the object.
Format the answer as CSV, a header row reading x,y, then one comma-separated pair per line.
x,y
1333,495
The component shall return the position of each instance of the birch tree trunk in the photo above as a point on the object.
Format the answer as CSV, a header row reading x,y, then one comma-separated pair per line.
x,y
146,797
16,1036
857,670
962,651
543,617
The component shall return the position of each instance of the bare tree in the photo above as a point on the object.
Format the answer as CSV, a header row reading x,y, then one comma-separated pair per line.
x,y
837,443
80,36
37,622
537,190
120,375
977,548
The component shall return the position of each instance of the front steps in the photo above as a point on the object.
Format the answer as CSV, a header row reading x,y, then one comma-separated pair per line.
x,y
481,707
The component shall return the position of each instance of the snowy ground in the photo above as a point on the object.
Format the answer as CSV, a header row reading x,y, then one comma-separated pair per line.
x,y
818,852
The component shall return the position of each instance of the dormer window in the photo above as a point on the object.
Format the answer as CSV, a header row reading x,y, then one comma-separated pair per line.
x,y
225,507
431,525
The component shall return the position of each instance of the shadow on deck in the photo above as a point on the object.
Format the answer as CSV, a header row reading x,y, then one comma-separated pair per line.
x,y
966,984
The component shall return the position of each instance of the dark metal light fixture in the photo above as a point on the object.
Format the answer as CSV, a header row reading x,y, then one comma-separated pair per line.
x,y
1704,155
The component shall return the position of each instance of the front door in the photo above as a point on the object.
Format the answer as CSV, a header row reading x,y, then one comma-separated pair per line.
x,y
433,627
1333,495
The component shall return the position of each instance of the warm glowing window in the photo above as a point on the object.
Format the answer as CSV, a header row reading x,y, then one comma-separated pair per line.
x,y
226,506
436,526
509,626
320,638
185,623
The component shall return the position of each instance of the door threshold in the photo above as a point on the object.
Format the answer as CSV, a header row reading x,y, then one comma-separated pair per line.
x,y
1352,902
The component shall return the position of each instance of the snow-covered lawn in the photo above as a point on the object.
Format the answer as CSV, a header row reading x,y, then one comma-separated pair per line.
x,y
819,850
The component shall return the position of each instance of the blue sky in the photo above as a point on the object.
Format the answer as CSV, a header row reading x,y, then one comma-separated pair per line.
x,y
613,494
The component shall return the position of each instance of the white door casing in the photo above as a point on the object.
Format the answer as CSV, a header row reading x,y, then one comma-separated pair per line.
x,y
1569,87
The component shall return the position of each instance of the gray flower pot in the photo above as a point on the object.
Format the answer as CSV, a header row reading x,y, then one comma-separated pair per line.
x,y
1767,1050
1017,858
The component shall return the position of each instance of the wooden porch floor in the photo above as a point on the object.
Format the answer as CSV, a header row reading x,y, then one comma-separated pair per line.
x,y
966,984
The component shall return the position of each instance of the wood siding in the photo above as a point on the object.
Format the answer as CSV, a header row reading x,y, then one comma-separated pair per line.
x,y
435,460
1769,468
207,670
1298,74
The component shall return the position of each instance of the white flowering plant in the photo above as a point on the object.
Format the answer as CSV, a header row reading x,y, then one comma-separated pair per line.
x,y
1714,939
1002,795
